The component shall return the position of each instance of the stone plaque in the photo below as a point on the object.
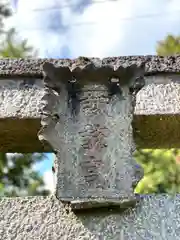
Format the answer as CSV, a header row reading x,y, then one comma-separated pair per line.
x,y
87,120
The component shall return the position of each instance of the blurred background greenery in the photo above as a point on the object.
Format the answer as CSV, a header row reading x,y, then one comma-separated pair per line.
x,y
161,171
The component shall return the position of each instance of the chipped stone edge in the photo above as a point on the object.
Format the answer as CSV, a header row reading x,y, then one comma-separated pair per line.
x,y
117,205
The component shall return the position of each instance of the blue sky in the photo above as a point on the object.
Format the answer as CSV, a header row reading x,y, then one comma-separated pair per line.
x,y
46,164
99,28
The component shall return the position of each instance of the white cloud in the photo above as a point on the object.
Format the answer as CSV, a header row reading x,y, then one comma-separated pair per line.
x,y
110,35
49,180
106,34
99,39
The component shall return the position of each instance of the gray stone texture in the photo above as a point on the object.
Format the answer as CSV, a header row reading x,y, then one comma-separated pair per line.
x,y
155,124
155,217
157,105
21,104
90,129
159,97
21,98
94,148
32,67
156,109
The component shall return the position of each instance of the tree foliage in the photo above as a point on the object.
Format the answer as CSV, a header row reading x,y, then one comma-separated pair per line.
x,y
169,46
10,47
17,176
161,171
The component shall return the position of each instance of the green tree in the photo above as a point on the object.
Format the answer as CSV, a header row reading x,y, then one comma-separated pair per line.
x,y
161,171
169,46
12,48
17,176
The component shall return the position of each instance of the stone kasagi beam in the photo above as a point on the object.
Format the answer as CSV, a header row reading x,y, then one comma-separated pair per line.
x,y
32,67
157,119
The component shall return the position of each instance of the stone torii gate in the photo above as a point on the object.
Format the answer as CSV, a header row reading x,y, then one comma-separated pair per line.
x,y
92,114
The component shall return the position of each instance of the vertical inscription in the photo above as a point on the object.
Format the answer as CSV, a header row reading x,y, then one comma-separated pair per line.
x,y
92,164
95,159
92,135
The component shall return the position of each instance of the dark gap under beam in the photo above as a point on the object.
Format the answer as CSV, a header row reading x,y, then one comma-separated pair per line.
x,y
150,131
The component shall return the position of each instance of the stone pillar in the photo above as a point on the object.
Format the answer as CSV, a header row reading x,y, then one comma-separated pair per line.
x,y
87,120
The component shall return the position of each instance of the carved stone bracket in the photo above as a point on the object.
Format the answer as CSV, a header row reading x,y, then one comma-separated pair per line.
x,y
87,120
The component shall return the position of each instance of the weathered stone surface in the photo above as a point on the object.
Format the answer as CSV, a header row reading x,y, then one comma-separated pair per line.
x,y
94,149
157,113
24,99
155,217
21,99
21,106
157,109
159,99
90,129
32,67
